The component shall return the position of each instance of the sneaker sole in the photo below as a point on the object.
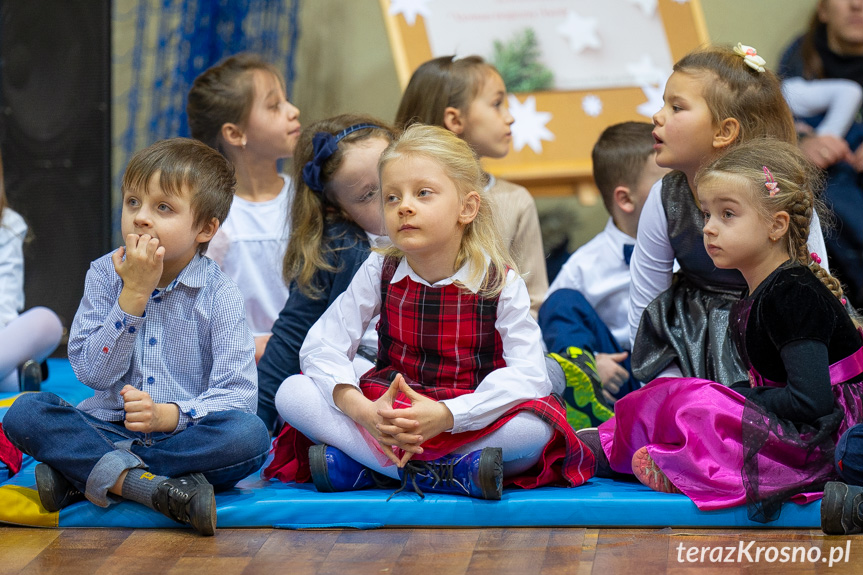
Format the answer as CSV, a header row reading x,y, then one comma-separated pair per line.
x,y
203,511
491,473
833,520
647,472
47,485
318,468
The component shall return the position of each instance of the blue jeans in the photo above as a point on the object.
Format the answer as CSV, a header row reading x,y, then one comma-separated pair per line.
x,y
225,446
568,320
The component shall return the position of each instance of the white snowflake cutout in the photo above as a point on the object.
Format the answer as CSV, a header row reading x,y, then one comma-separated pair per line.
x,y
580,31
649,6
591,105
644,72
410,9
529,126
654,100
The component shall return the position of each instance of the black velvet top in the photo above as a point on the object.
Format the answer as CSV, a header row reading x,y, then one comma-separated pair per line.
x,y
790,330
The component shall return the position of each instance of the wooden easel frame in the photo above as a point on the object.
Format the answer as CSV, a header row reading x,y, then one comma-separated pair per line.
x,y
564,166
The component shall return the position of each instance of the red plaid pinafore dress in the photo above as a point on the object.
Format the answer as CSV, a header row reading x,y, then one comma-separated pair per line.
x,y
444,343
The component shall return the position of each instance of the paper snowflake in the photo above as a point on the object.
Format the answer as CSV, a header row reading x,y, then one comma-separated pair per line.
x,y
649,6
645,73
410,9
580,31
654,100
529,126
591,105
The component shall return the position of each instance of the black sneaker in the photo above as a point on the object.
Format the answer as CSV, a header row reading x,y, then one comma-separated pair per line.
x,y
590,437
188,499
840,509
55,491
30,376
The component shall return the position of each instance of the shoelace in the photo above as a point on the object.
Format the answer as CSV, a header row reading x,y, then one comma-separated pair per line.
x,y
442,471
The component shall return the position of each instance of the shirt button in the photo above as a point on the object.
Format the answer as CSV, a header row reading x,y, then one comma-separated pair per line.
x,y
151,379
192,412
132,329
157,299
118,325
152,341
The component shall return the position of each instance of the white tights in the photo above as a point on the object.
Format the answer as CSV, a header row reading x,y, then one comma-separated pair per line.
x,y
32,335
302,405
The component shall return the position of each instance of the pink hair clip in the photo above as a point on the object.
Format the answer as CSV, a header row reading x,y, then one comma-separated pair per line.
x,y
815,258
843,301
770,184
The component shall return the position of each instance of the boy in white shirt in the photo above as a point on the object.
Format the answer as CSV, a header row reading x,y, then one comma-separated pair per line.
x,y
584,318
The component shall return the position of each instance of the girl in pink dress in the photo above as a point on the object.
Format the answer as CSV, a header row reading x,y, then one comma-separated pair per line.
x,y
773,436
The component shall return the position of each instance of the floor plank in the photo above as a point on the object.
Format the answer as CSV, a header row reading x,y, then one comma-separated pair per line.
x,y
498,551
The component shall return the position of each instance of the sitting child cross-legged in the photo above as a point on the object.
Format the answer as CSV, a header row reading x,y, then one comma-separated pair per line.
x,y
773,435
584,319
459,400
161,336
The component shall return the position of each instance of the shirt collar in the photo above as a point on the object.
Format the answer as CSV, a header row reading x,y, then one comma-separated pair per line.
x,y
194,275
490,184
462,276
617,238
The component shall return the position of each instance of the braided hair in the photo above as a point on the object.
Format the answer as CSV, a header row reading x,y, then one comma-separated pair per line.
x,y
797,181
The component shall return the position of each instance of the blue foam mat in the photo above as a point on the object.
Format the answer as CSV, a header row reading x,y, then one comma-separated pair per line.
x,y
256,503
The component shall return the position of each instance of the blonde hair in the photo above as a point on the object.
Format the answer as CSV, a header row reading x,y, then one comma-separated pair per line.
x,y
481,237
798,182
735,90
311,211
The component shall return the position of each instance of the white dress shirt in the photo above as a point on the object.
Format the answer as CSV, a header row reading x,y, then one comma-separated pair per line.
x,y
599,272
13,230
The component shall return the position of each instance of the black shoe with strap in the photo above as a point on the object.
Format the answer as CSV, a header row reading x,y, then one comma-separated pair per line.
x,y
841,512
188,499
55,491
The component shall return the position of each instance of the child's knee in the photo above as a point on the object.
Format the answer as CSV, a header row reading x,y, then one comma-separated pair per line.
x,y
296,392
849,455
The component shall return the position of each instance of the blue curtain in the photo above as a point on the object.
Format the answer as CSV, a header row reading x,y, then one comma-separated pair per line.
x,y
161,46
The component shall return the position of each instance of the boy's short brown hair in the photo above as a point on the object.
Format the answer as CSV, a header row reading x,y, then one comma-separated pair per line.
x,y
619,156
183,162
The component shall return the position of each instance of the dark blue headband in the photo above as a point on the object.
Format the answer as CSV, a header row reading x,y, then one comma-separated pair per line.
x,y
324,145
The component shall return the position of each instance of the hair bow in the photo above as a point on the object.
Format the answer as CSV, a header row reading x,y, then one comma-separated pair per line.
x,y
750,57
324,145
770,184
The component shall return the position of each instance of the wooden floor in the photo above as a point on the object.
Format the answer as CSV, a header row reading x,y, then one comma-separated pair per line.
x,y
420,551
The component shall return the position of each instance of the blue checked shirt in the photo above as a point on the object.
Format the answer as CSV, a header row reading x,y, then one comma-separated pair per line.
x,y
192,347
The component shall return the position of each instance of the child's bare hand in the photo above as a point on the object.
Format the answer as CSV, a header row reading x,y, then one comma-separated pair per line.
x,y
423,420
355,405
611,373
146,416
140,271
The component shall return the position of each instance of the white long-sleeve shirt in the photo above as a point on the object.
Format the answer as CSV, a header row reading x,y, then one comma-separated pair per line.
x,y
332,341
